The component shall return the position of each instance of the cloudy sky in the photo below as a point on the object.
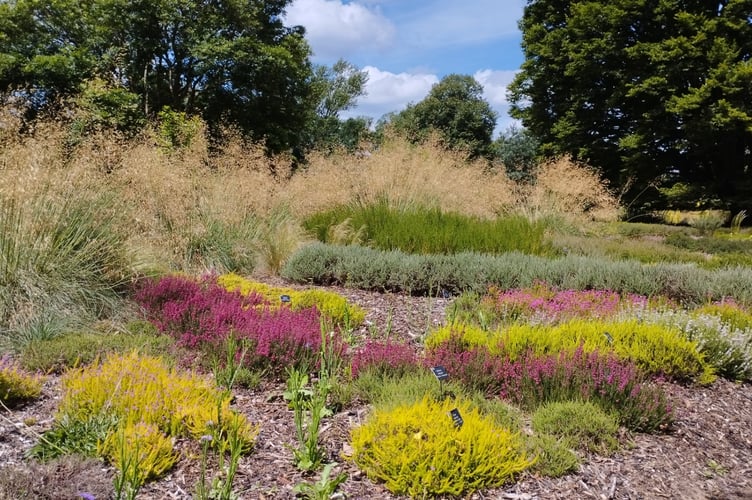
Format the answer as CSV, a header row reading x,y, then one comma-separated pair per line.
x,y
406,46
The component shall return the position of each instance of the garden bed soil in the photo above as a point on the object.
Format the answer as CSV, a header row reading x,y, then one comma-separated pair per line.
x,y
707,455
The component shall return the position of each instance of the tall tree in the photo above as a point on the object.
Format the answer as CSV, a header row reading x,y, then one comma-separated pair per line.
x,y
649,91
455,107
230,61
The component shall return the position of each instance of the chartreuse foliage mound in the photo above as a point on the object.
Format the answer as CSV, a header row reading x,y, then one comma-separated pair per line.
x,y
16,385
129,408
329,304
416,450
656,349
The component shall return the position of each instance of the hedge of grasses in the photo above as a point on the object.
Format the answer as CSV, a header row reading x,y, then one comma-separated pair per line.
x,y
396,271
424,230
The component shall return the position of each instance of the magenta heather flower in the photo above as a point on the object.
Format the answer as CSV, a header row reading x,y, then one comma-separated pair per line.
x,y
387,356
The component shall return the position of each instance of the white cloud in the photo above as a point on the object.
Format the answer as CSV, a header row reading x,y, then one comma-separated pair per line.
x,y
495,85
335,29
387,92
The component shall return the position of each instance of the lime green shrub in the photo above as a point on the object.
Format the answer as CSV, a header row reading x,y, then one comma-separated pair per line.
x,y
729,313
146,403
17,385
554,455
582,423
329,304
417,450
140,451
656,349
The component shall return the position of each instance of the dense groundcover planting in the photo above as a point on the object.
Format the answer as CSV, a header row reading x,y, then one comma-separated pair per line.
x,y
596,356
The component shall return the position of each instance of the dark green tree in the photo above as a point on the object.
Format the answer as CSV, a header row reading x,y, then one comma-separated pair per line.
x,y
517,150
230,62
454,107
652,92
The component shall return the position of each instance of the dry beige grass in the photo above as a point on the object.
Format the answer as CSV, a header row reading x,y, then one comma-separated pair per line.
x,y
567,189
403,174
169,199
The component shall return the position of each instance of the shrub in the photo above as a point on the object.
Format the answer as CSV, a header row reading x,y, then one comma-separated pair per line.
x,y
395,271
424,230
417,450
385,357
729,312
532,380
16,385
657,349
81,348
329,304
140,451
138,390
204,315
582,422
554,456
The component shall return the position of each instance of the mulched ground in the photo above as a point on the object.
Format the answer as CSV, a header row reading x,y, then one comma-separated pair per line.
x,y
708,455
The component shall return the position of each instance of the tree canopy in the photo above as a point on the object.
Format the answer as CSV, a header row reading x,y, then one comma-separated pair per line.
x,y
455,107
230,62
652,92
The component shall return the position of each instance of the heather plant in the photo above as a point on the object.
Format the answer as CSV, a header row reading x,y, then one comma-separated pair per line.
x,y
581,423
131,390
329,304
417,450
729,312
531,380
17,385
657,349
554,456
385,357
726,348
204,315
428,230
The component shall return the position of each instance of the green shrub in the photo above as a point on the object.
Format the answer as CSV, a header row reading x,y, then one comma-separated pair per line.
x,y
417,450
555,457
423,230
710,245
57,354
586,425
16,385
396,271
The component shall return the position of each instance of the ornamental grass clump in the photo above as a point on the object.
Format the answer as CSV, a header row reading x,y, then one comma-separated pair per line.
x,y
329,304
417,450
17,385
386,357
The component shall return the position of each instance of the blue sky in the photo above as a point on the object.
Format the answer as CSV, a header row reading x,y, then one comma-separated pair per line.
x,y
406,46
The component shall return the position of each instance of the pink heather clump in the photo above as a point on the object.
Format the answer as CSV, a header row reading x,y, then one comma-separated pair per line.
x,y
204,314
533,380
386,356
552,305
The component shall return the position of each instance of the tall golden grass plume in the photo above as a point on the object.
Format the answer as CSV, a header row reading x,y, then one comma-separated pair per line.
x,y
403,174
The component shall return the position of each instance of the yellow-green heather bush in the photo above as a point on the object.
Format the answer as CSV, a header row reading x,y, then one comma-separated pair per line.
x,y
417,450
729,313
17,385
142,390
329,304
657,349
140,450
